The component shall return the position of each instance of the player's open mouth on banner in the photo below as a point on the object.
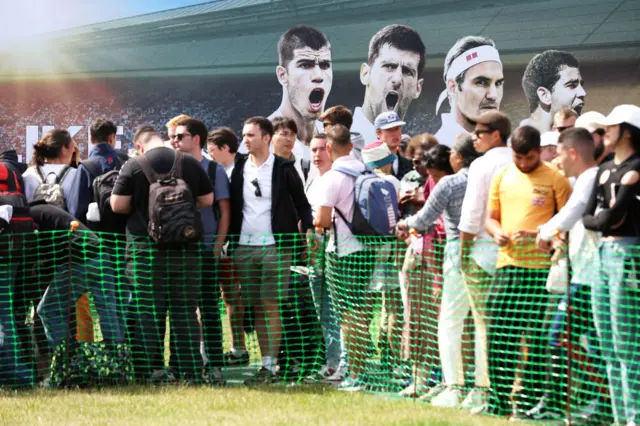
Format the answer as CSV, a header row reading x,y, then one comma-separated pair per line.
x,y
578,105
392,99
315,99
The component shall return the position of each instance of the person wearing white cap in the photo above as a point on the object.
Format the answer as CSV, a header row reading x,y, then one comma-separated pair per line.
x,y
589,121
551,82
474,84
613,210
391,76
549,146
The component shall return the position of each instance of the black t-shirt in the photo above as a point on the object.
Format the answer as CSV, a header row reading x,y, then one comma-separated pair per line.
x,y
132,182
613,207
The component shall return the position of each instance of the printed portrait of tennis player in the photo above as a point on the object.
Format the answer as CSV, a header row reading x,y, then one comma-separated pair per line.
x,y
391,77
474,84
551,82
306,74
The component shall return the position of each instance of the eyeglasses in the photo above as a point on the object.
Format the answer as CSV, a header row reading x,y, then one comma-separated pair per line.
x,y
479,132
257,186
561,129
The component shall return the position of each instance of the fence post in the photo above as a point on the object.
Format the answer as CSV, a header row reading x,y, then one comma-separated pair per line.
x,y
73,227
569,308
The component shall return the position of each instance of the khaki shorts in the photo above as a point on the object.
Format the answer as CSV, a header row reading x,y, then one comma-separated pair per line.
x,y
263,272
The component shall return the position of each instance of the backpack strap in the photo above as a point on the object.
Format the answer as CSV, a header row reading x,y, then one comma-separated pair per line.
x,y
306,167
176,170
212,171
62,175
40,175
148,171
92,167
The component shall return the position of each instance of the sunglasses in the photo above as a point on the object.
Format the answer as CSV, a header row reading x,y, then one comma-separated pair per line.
x,y
479,132
416,161
601,132
561,129
180,136
257,186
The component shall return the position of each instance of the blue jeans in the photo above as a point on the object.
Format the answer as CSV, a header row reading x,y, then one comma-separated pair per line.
x,y
53,307
335,350
616,309
13,372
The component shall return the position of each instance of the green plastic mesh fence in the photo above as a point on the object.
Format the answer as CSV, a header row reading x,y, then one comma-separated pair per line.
x,y
80,309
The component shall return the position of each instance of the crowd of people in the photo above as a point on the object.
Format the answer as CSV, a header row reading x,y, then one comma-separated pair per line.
x,y
453,239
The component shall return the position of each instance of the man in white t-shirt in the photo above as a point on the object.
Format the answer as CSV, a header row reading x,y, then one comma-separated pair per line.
x,y
391,77
576,151
349,264
478,252
268,204
335,366
474,84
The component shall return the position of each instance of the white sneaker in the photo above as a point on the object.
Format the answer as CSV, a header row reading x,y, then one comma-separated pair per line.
x,y
338,375
448,398
477,401
433,392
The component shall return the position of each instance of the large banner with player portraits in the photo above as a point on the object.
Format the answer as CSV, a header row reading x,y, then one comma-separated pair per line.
x,y
439,99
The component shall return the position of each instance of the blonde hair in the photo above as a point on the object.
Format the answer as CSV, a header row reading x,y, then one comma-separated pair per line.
x,y
175,120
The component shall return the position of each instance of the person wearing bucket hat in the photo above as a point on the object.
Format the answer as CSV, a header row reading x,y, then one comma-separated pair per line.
x,y
617,193
379,158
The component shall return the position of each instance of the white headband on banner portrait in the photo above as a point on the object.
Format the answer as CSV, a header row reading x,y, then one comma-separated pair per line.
x,y
465,61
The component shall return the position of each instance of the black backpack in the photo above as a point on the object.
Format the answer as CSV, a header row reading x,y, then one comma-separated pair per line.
x,y
102,186
174,218
11,194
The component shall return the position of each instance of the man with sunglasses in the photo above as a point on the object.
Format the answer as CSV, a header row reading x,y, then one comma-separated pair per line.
x,y
268,203
478,252
191,138
564,119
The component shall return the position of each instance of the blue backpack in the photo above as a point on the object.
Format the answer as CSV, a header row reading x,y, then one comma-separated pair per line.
x,y
376,205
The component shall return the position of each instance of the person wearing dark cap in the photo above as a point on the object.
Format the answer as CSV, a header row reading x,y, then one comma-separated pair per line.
x,y
478,253
523,196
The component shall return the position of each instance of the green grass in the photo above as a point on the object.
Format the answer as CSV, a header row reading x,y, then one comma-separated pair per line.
x,y
274,405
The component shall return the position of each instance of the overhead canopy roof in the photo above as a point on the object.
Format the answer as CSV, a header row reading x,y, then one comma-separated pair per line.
x,y
236,36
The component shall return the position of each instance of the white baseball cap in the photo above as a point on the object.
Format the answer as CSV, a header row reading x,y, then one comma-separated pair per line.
x,y
629,114
588,121
549,139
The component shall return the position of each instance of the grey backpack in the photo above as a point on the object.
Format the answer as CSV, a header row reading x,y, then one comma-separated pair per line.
x,y
51,193
174,218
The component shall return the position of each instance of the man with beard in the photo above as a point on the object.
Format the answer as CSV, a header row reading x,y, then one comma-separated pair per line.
x,y
305,73
474,84
391,77
523,196
589,120
551,82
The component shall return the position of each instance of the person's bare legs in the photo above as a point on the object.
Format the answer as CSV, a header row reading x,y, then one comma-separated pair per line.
x,y
268,327
234,306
